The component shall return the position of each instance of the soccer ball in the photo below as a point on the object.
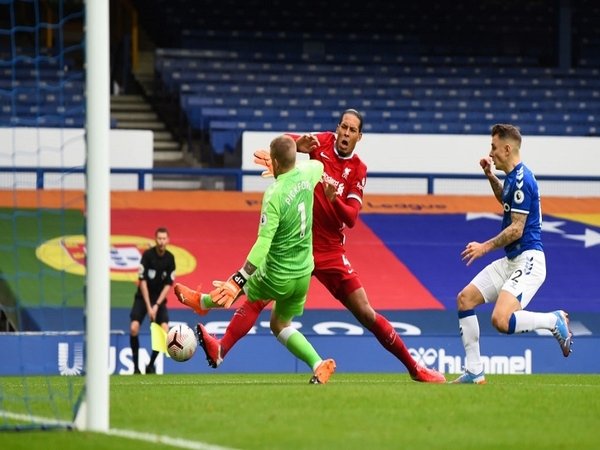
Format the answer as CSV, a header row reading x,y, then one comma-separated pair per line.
x,y
181,343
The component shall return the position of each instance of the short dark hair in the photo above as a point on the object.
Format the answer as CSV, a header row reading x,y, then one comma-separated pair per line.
x,y
507,131
161,230
358,115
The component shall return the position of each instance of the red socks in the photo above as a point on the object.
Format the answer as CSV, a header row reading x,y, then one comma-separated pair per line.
x,y
241,323
392,342
245,316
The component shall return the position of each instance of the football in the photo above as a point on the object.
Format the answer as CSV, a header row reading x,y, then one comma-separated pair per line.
x,y
181,342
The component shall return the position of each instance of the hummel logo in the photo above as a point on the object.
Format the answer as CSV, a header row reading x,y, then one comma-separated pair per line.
x,y
323,155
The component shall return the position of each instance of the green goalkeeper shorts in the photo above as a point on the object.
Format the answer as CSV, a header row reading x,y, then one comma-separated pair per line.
x,y
289,296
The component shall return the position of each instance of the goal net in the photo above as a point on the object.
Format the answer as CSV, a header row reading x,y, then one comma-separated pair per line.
x,y
42,208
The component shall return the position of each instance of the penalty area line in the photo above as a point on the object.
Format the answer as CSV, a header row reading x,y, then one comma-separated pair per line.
x,y
162,439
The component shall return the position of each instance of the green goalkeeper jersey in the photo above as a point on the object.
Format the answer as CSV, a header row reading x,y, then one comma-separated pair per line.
x,y
284,245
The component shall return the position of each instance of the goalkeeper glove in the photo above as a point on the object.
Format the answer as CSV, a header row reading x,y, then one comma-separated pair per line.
x,y
225,294
263,158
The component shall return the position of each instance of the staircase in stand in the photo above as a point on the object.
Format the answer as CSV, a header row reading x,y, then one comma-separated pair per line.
x,y
134,112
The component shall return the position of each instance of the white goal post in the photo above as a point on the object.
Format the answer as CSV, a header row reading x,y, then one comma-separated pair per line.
x,y
97,68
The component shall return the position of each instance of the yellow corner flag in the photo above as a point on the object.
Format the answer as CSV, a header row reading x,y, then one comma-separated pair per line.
x,y
159,338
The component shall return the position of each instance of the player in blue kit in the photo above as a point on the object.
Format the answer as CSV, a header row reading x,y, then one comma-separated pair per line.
x,y
511,281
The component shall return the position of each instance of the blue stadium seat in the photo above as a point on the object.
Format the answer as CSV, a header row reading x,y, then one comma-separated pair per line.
x,y
396,91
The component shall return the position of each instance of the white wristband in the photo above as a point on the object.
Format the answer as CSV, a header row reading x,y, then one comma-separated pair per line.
x,y
244,273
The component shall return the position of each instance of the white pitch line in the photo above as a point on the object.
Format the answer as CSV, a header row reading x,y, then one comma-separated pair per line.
x,y
35,419
128,434
161,439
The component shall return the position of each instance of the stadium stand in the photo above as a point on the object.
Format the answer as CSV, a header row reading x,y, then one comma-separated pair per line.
x,y
41,90
432,67
586,33
225,66
41,65
541,100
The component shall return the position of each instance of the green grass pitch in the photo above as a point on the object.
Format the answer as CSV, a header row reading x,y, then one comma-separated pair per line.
x,y
353,411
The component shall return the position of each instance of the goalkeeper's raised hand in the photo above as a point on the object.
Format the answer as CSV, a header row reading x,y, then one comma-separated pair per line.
x,y
227,292
263,158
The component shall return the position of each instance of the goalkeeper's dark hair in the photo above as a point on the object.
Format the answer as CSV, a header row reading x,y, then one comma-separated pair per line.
x,y
355,113
507,131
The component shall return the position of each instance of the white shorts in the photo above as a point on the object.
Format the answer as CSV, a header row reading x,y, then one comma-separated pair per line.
x,y
521,276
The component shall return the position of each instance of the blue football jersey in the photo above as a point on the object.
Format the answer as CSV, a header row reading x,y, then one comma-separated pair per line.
x,y
521,194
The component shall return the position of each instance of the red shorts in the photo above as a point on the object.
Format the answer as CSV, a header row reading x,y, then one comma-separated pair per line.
x,y
335,272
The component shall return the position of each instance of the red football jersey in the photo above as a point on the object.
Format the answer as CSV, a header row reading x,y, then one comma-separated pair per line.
x,y
349,175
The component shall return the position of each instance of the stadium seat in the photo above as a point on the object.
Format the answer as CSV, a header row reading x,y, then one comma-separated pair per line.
x,y
403,83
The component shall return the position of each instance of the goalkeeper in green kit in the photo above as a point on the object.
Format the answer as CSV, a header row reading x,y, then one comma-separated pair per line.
x,y
280,264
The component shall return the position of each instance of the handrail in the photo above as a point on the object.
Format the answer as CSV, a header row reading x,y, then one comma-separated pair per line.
x,y
238,174
141,173
128,22
134,34
49,34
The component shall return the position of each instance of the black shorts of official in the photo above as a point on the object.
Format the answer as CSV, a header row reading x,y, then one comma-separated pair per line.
x,y
138,311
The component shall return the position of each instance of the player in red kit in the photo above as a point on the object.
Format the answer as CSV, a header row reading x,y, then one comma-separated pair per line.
x,y
338,201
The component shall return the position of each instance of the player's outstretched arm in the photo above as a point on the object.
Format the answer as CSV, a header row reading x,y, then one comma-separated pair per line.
x,y
228,291
306,143
511,233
